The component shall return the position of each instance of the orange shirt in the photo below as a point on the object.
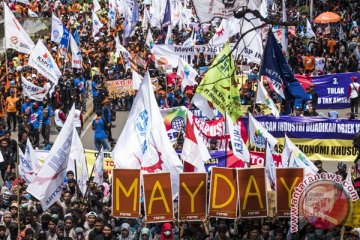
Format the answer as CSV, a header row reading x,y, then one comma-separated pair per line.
x,y
11,104
331,45
309,63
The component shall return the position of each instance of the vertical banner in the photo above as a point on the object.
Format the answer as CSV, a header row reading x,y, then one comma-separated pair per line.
x,y
286,180
158,197
223,196
192,196
126,193
252,192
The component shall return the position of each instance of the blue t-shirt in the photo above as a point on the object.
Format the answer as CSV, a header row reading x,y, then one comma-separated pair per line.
x,y
99,129
80,83
95,92
46,120
35,117
170,99
25,108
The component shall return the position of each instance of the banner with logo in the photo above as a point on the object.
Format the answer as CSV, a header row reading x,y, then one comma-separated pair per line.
x,y
174,120
126,193
286,180
158,197
317,138
192,196
43,62
223,193
252,192
32,91
119,87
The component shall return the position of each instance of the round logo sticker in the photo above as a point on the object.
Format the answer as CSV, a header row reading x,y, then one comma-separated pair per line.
x,y
325,204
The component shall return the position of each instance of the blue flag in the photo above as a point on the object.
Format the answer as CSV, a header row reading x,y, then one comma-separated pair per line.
x,y
135,14
76,37
64,42
167,15
278,71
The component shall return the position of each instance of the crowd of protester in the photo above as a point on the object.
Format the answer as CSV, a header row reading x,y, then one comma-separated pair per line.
x,y
89,217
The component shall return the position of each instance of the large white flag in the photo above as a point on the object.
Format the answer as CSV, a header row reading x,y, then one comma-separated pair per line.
x,y
32,91
43,62
77,152
237,143
270,167
32,14
120,49
32,157
293,157
25,168
97,25
57,29
136,80
149,40
83,176
143,143
194,150
98,168
262,97
15,36
202,103
222,33
309,32
169,38
258,135
48,184
187,74
76,58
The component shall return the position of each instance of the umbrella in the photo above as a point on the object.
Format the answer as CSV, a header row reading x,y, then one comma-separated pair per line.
x,y
327,17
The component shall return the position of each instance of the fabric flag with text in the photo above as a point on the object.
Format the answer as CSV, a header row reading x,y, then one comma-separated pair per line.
x,y
194,150
135,14
41,59
293,157
258,135
48,184
262,97
32,156
25,168
57,29
278,71
97,25
83,177
237,143
15,35
149,40
98,168
309,32
76,57
120,49
220,87
112,14
167,16
136,80
32,91
186,73
222,33
76,37
270,167
143,143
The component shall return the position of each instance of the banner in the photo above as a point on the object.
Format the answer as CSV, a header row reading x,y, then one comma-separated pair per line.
x,y
192,196
252,192
32,91
158,197
120,87
286,180
317,138
223,196
126,193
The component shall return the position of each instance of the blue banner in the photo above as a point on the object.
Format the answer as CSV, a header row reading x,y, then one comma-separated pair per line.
x,y
332,90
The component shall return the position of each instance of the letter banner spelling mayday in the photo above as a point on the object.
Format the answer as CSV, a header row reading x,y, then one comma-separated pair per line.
x,y
332,89
318,138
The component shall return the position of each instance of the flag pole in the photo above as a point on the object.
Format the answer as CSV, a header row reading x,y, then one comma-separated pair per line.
x,y
76,177
249,139
18,186
87,187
